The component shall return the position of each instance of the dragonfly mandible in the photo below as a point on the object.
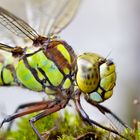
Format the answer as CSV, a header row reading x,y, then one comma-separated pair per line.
x,y
51,65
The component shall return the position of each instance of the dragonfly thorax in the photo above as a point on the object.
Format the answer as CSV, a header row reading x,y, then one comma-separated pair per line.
x,y
41,41
48,68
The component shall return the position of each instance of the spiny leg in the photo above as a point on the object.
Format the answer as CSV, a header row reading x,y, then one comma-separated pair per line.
x,y
47,112
86,118
29,110
25,106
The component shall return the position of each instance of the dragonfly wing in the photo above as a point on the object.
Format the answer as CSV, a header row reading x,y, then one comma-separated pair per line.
x,y
45,16
116,122
65,15
51,16
16,51
16,25
5,47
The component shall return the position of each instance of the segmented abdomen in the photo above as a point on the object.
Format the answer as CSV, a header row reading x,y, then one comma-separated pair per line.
x,y
48,69
7,72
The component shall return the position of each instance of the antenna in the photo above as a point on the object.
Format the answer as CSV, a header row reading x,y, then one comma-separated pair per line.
x,y
108,54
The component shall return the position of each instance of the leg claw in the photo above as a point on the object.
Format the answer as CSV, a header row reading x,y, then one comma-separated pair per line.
x,y
46,134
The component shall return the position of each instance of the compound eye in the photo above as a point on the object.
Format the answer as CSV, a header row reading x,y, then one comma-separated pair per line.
x,y
90,69
87,76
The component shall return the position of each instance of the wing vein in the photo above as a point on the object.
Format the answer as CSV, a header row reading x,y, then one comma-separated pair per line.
x,y
16,25
12,25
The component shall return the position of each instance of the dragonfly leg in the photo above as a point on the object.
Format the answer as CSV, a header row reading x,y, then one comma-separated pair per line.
x,y
86,118
47,112
25,106
29,110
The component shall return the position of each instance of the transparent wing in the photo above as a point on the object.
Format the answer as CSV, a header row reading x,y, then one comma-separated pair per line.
x,y
51,16
6,37
102,109
116,122
16,25
16,51
65,15
5,47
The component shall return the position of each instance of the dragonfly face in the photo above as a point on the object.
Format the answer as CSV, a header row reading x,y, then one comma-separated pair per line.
x,y
95,76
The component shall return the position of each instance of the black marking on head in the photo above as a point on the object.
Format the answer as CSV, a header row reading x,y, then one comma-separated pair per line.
x,y
85,53
90,83
101,61
103,93
94,82
109,62
95,69
96,75
89,69
88,77
92,75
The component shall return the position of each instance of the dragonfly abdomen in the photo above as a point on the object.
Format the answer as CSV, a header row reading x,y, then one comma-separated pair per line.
x,y
7,72
47,69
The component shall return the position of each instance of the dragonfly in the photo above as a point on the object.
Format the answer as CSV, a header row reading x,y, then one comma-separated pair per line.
x,y
50,65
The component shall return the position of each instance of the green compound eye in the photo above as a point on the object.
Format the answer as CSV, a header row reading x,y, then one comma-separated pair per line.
x,y
87,75
95,76
108,76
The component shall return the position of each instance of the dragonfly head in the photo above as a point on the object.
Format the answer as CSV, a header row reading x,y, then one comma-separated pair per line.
x,y
95,76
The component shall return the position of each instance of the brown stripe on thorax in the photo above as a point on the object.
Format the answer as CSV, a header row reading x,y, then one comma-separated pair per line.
x,y
57,57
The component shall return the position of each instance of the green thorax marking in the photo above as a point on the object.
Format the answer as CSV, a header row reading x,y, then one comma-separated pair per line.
x,y
49,68
7,72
